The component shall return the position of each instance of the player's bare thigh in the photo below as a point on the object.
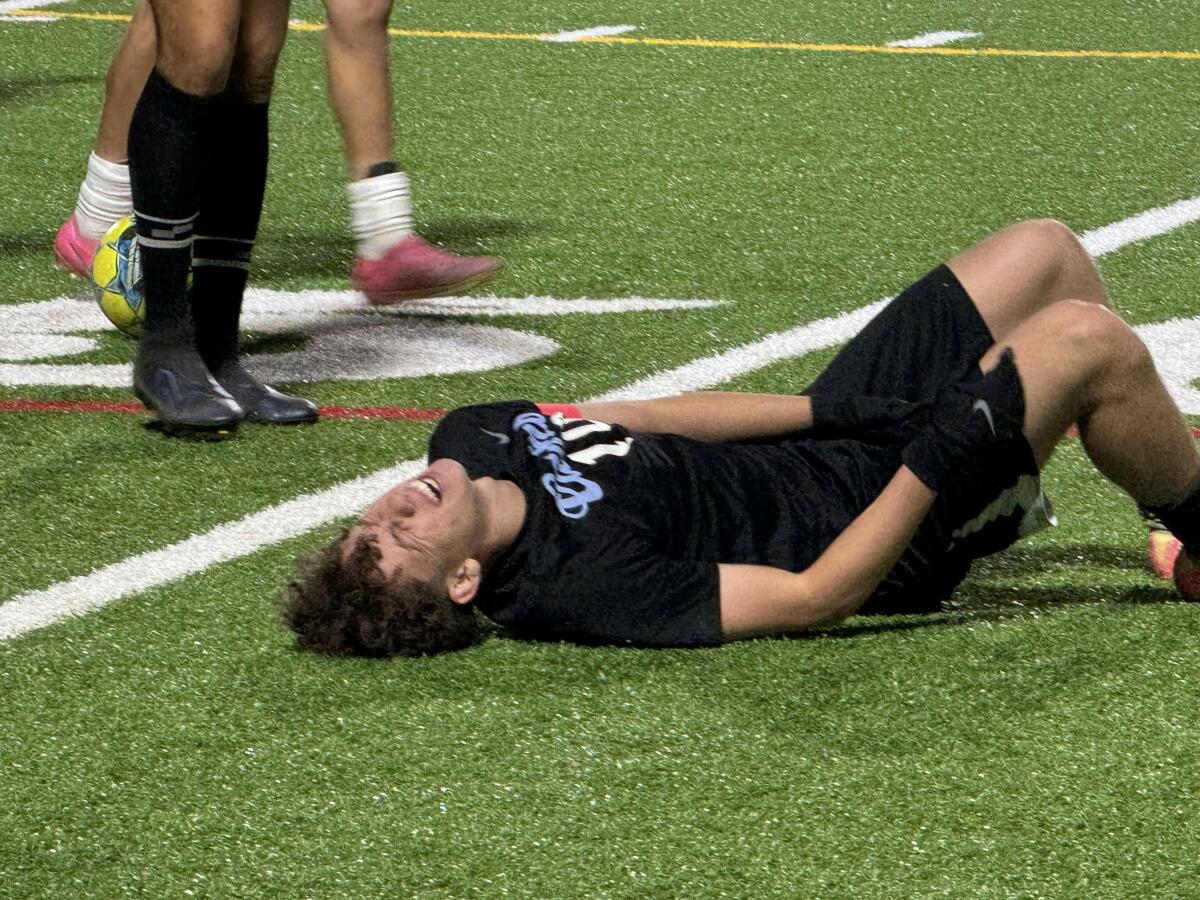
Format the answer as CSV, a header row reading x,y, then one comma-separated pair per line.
x,y
1023,269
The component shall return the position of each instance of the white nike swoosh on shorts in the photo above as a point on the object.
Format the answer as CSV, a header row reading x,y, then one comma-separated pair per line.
x,y
982,406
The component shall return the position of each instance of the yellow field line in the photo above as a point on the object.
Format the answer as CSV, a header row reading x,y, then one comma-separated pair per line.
x,y
708,42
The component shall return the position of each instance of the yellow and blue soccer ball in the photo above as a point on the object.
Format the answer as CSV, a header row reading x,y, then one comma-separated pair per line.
x,y
117,278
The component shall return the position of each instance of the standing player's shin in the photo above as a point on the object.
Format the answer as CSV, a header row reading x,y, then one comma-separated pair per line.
x,y
234,183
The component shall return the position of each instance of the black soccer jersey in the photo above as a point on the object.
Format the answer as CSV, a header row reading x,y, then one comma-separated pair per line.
x,y
624,531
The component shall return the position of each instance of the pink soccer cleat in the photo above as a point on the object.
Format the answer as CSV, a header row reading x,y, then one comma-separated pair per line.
x,y
73,252
1187,577
413,268
1163,549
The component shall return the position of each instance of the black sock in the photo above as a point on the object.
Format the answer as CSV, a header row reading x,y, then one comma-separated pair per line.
x,y
233,185
1182,518
382,168
164,163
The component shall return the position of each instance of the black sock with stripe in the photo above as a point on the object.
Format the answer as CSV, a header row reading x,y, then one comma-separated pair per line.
x,y
164,167
233,184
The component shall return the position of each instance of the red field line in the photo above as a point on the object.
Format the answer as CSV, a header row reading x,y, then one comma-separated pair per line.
x,y
110,406
381,412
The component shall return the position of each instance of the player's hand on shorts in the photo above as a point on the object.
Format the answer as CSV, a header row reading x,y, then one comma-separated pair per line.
x,y
876,419
970,420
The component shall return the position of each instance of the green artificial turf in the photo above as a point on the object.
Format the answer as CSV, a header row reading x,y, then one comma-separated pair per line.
x,y
1035,739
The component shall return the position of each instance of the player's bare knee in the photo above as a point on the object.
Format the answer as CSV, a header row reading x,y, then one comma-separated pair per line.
x,y
204,71
1058,240
1094,332
252,75
354,20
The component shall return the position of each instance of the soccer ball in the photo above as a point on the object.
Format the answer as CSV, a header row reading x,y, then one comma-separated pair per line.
x,y
117,278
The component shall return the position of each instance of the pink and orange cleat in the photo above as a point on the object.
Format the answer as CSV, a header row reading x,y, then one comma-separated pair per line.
x,y
414,268
1163,549
73,251
1171,563
1186,576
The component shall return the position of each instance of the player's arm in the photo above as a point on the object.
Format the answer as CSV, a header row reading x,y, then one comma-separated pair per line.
x,y
970,416
760,600
708,415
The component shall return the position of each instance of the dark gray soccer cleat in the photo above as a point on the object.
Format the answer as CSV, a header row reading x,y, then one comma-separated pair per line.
x,y
263,404
175,383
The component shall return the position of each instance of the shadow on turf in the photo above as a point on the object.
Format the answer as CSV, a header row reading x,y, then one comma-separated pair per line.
x,y
1031,559
465,232
982,599
300,255
29,90
28,243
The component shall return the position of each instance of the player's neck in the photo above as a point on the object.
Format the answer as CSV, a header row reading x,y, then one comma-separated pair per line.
x,y
504,506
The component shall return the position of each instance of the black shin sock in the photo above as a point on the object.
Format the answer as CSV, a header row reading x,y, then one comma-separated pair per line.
x,y
1182,518
233,184
164,162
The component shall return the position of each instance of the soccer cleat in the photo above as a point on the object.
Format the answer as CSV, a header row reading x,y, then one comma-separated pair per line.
x,y
73,252
1186,576
188,400
1163,548
261,403
413,268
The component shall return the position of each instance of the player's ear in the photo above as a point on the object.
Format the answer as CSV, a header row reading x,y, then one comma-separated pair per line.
x,y
463,583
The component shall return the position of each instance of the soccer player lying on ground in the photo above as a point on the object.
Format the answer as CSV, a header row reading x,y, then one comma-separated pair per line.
x,y
710,517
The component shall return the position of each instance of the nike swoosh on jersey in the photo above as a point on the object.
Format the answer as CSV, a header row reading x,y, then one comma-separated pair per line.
x,y
500,438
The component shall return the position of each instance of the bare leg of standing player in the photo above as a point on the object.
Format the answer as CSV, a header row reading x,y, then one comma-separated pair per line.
x,y
104,196
393,262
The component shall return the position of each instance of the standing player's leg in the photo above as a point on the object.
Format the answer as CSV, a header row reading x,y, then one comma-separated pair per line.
x,y
360,89
196,44
393,262
1080,363
233,182
104,197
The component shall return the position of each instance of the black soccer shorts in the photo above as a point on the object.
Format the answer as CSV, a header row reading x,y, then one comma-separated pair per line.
x,y
932,335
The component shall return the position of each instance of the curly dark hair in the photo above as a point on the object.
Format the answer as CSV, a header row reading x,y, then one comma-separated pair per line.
x,y
346,607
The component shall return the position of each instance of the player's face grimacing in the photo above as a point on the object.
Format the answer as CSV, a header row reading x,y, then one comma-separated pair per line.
x,y
426,527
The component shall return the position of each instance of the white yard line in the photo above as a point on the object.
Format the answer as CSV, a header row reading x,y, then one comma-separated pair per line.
x,y
230,540
707,371
583,33
262,300
7,5
935,38
710,370
77,596
1151,223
